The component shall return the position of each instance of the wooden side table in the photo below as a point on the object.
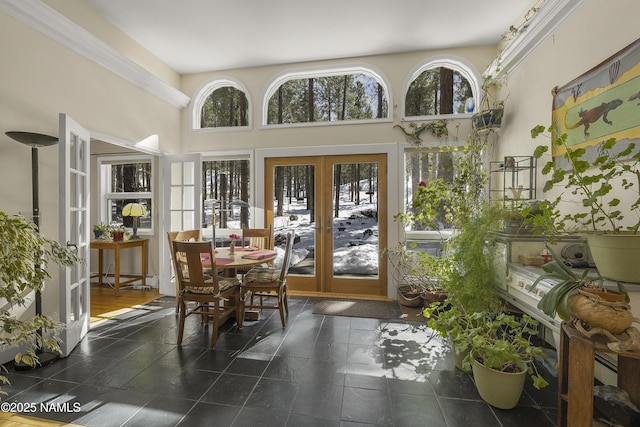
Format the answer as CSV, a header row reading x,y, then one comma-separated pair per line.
x,y
116,246
576,375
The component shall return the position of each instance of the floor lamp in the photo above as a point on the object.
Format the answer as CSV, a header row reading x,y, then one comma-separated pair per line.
x,y
35,141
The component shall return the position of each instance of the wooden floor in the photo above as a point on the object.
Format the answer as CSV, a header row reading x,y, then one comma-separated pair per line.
x,y
7,419
104,304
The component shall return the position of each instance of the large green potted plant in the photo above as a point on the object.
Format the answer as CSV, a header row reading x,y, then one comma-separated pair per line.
x,y
24,255
496,346
501,354
607,186
579,296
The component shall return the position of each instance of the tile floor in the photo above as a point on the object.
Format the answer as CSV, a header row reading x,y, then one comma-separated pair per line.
x,y
318,371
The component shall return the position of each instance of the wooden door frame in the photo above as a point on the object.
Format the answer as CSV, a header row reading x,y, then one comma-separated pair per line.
x,y
322,281
350,285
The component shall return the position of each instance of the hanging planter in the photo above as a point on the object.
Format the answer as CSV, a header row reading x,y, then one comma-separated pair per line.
x,y
487,119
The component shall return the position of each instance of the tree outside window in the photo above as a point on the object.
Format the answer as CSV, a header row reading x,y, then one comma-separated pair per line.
x,y
224,107
355,96
437,91
226,193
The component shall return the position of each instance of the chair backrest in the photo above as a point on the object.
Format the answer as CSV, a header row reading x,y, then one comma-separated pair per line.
x,y
182,236
195,264
286,261
258,237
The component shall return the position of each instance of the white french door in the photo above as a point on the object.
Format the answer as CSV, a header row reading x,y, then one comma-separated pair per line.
x,y
181,206
74,230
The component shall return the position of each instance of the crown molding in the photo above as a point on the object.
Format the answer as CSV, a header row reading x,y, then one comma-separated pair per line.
x,y
49,22
551,15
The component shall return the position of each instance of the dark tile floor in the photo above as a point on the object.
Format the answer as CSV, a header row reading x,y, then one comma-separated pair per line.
x,y
318,371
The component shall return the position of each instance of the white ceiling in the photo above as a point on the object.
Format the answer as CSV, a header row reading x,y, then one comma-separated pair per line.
x,y
209,35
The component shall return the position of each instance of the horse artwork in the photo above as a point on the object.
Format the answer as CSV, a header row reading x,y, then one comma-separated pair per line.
x,y
601,104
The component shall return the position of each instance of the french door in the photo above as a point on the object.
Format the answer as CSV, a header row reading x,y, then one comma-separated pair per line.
x,y
74,231
337,207
181,202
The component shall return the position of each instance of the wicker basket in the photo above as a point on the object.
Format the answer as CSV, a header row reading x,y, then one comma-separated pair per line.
x,y
409,299
606,310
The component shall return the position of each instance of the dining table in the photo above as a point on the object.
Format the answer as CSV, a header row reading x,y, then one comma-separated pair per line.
x,y
242,258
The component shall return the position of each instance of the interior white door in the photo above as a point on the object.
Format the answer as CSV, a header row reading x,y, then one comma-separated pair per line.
x,y
181,206
74,230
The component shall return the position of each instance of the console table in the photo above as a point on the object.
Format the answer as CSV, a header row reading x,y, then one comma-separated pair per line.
x,y
117,246
575,375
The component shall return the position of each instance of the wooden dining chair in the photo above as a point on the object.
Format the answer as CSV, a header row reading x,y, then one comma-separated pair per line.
x,y
181,236
261,238
198,282
258,237
266,283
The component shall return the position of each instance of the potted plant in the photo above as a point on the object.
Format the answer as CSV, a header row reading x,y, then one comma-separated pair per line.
x,y
468,266
416,275
515,217
490,343
100,229
451,321
580,297
607,184
117,232
23,254
491,109
501,355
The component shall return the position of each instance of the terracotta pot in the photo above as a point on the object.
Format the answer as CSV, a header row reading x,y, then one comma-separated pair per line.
x,y
434,296
117,236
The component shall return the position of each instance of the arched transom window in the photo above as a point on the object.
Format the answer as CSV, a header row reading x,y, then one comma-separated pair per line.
x,y
345,94
440,87
221,103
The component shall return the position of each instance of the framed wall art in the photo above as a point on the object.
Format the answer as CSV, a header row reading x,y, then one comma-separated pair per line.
x,y
602,103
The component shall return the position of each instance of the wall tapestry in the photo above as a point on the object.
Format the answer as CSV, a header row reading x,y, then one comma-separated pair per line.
x,y
602,103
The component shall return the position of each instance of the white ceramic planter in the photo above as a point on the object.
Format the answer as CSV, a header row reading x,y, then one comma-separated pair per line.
x,y
499,389
616,256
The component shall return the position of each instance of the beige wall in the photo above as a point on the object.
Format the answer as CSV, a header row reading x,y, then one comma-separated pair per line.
x,y
598,30
39,79
85,16
393,68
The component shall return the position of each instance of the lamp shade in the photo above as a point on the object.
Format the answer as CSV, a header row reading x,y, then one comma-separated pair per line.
x,y
134,209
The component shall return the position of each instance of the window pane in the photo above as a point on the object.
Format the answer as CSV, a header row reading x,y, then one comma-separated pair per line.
x,y
115,213
226,186
225,107
423,167
328,99
131,177
437,91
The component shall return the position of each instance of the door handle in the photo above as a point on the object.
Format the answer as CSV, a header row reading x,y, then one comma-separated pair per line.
x,y
319,223
73,246
329,223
